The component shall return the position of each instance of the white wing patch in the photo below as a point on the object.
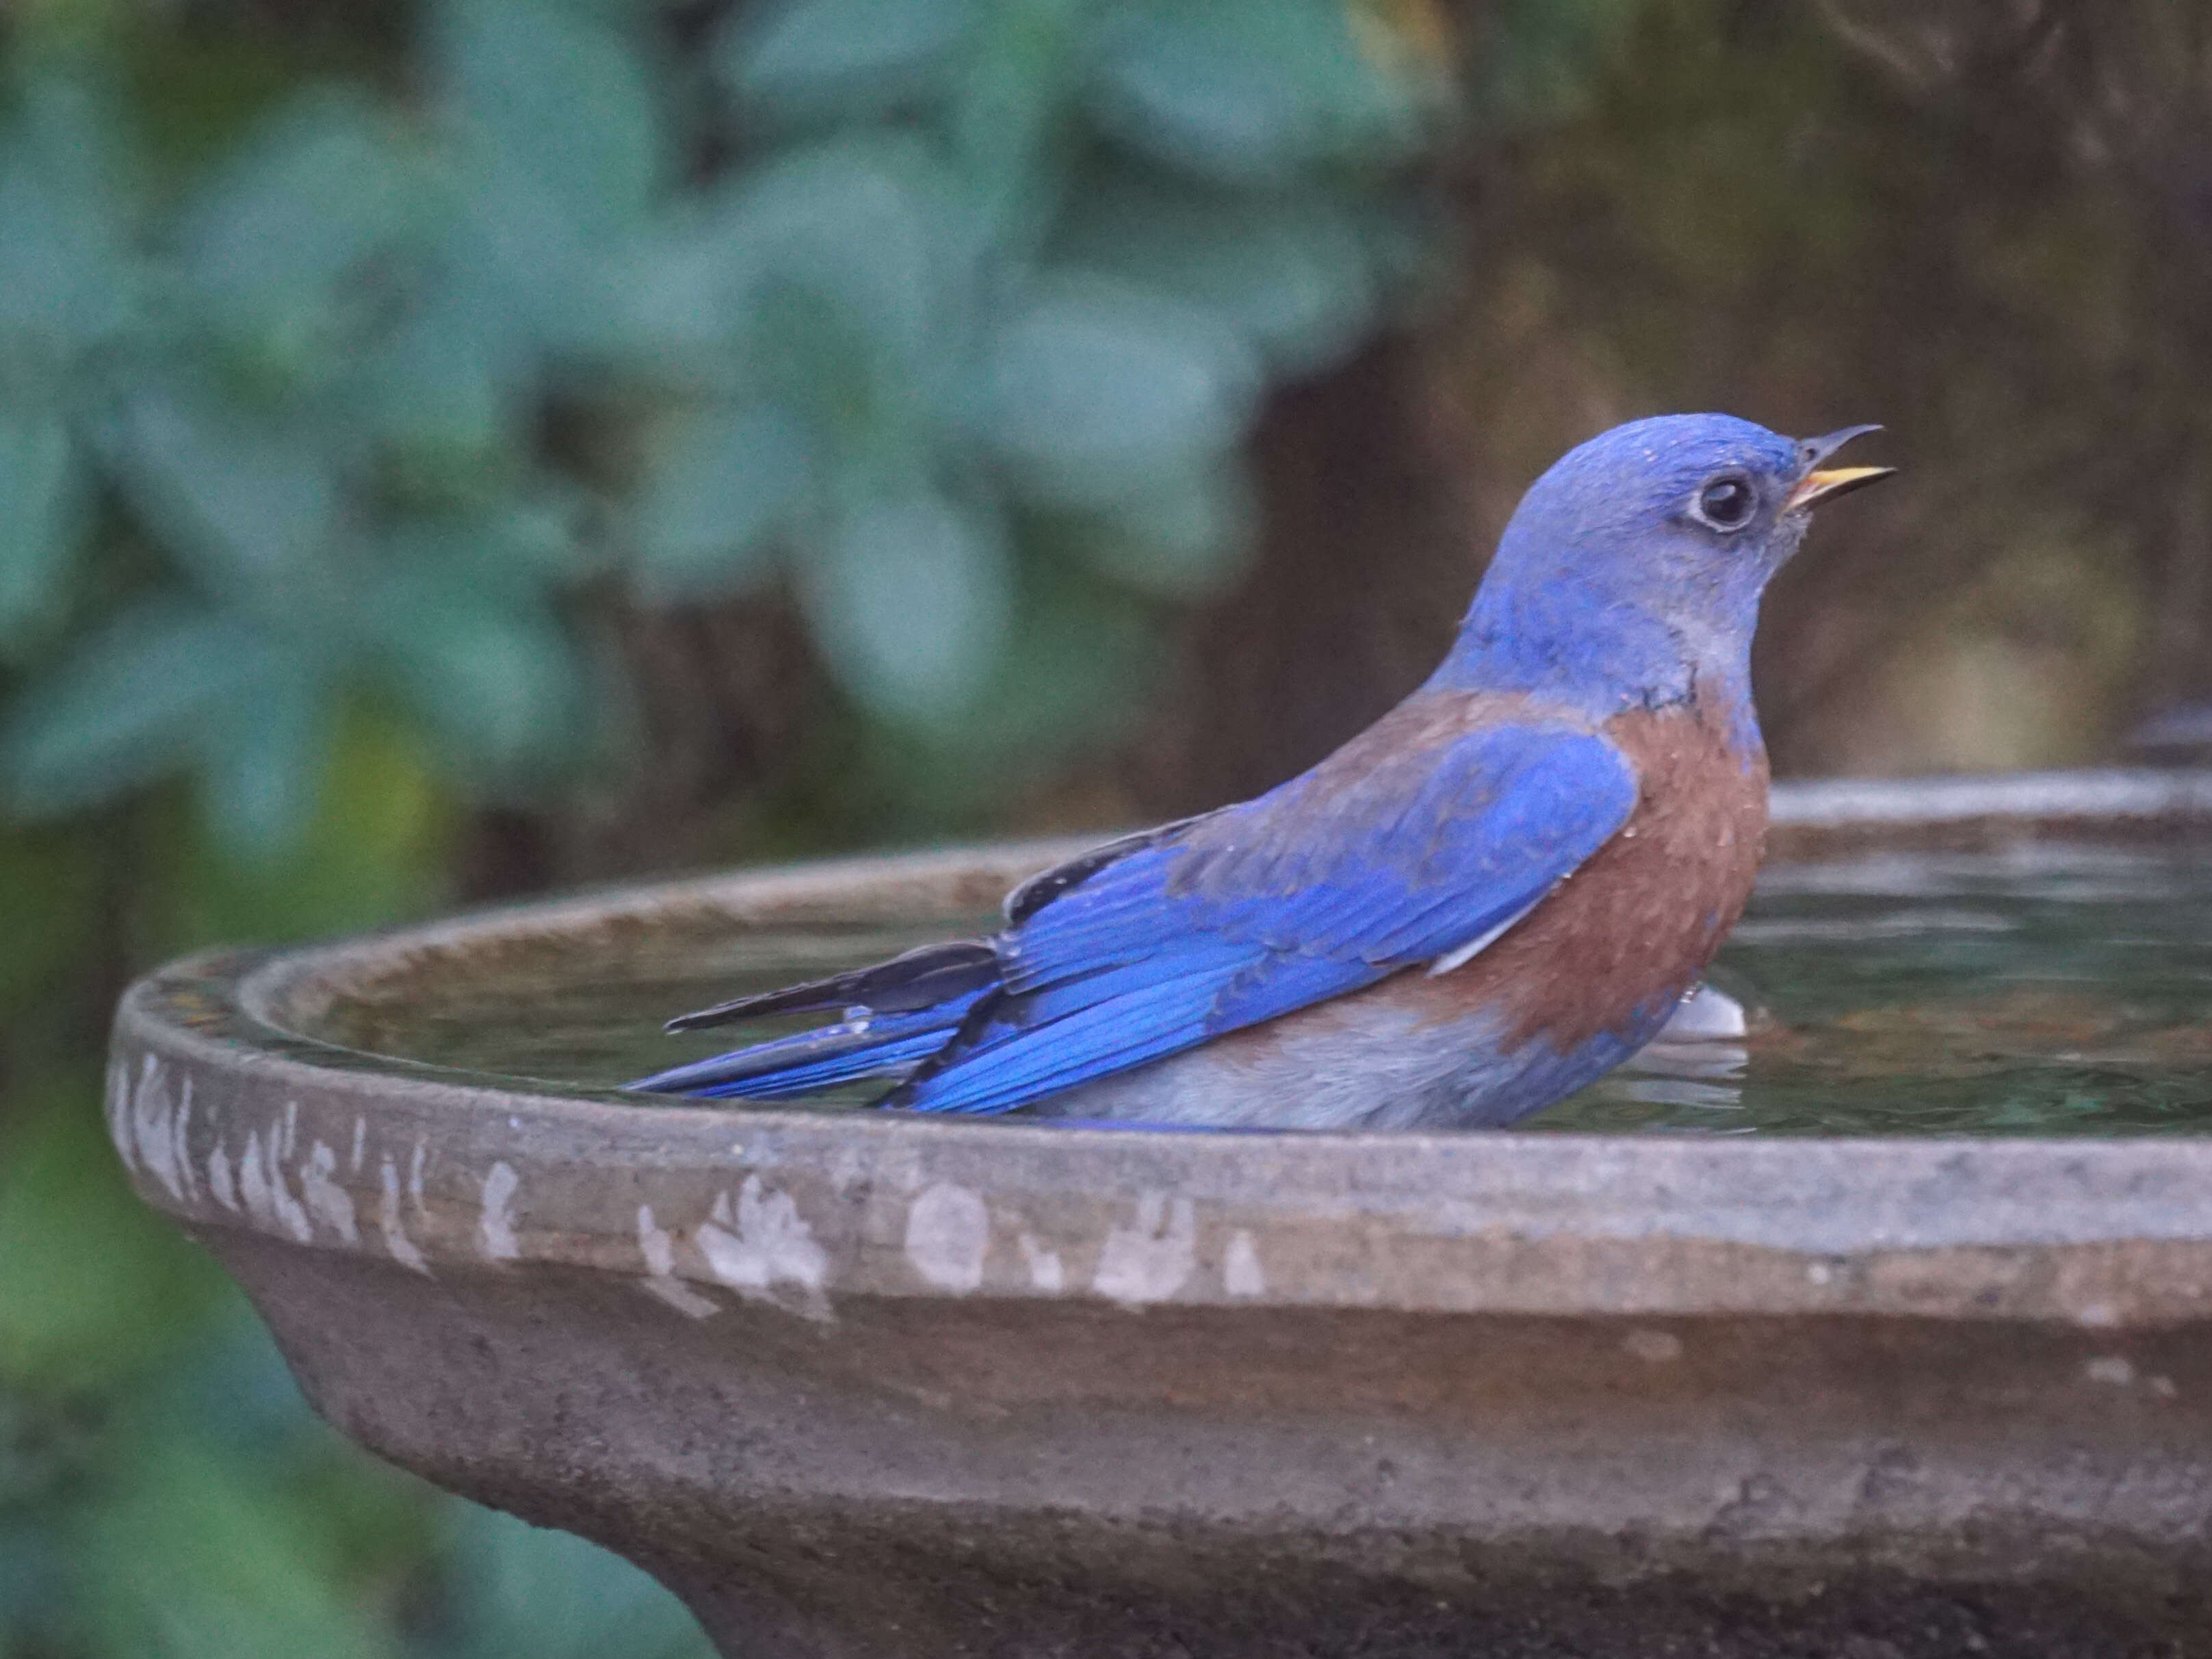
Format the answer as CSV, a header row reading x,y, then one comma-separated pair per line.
x,y
1459,956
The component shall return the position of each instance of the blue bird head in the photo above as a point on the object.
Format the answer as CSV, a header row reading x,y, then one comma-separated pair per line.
x,y
1636,564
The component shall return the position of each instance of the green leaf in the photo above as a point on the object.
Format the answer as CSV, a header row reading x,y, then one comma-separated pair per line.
x,y
836,277
40,490
560,99
679,307
563,154
490,671
869,226
843,276
262,758
1095,391
68,280
516,552
849,58
730,483
275,243
1167,87
129,706
500,688
910,601
252,510
522,273
1252,91
443,394
1290,272
1009,96
538,535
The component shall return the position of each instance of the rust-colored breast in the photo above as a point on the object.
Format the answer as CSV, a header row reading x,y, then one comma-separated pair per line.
x,y
1642,918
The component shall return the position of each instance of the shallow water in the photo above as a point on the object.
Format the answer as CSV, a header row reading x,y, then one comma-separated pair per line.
x,y
2054,991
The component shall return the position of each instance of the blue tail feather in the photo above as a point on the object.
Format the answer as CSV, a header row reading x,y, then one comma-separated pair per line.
x,y
865,1045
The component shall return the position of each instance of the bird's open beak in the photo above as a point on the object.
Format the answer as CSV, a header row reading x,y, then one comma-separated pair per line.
x,y
1818,485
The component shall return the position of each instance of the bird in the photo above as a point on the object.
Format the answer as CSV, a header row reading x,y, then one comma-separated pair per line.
x,y
1487,899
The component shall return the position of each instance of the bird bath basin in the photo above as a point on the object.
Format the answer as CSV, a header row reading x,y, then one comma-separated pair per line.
x,y
1676,1380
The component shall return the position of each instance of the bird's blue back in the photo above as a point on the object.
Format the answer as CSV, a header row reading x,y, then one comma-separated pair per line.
x,y
1397,850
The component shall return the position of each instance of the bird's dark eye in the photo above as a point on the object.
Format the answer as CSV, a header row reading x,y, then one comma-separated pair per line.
x,y
1726,503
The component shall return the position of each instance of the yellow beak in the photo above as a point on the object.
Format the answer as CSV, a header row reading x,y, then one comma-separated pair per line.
x,y
1817,487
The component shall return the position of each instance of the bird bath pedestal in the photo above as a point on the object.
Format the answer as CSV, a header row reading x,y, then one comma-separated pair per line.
x,y
856,1385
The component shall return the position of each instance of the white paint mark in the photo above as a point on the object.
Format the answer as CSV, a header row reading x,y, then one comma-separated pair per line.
x,y
679,1296
496,1224
762,1242
360,1144
2110,1368
180,1156
1819,1273
658,1250
948,1233
654,1244
151,1113
251,1185
219,1181
1241,1274
395,1234
289,1210
269,1200
330,1203
291,1130
2164,1388
1150,1262
117,1103
1045,1271
1653,1348
414,1178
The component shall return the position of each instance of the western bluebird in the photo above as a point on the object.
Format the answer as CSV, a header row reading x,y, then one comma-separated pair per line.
x,y
1492,896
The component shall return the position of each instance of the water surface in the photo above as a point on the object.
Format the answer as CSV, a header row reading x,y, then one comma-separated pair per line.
x,y
2053,991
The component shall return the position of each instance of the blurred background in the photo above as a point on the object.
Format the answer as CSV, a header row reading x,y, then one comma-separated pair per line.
x,y
455,448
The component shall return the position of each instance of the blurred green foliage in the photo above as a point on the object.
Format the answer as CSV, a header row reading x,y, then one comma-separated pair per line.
x,y
362,376
935,307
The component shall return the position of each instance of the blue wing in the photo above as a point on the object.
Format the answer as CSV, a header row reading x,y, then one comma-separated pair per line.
x,y
1378,859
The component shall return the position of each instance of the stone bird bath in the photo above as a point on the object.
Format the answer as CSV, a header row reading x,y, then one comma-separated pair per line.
x,y
853,1384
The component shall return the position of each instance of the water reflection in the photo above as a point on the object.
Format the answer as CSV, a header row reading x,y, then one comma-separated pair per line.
x,y
2047,990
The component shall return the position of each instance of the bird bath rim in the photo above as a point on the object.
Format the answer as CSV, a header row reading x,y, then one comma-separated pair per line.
x,y
230,1119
